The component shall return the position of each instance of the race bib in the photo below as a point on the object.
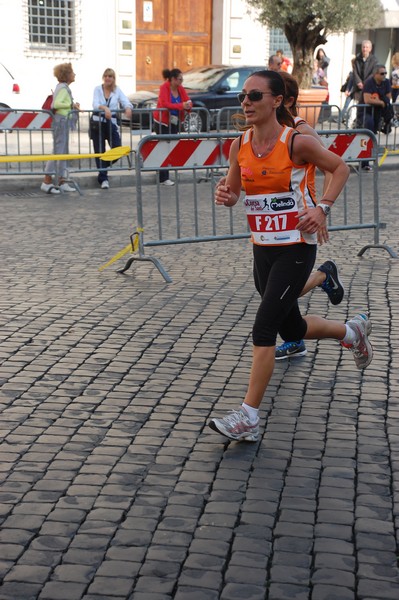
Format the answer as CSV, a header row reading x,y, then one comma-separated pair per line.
x,y
272,218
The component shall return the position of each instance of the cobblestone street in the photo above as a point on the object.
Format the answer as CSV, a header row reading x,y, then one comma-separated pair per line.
x,y
113,487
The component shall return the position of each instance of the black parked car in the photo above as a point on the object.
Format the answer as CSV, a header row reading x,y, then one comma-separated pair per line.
x,y
212,87
215,87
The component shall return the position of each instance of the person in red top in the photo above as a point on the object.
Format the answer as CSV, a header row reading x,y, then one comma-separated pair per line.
x,y
286,64
270,162
173,97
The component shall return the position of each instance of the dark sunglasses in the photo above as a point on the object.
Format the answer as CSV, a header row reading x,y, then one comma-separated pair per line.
x,y
383,73
253,96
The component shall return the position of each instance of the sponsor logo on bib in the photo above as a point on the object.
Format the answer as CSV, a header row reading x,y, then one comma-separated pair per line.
x,y
277,204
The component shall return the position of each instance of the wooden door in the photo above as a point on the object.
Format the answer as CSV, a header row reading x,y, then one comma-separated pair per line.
x,y
171,34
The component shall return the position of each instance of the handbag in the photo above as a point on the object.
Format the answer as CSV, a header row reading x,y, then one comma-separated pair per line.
x,y
94,128
94,124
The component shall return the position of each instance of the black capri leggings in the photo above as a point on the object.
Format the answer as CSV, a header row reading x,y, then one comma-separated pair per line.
x,y
280,273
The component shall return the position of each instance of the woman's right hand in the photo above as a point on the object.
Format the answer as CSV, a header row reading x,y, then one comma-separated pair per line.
x,y
224,196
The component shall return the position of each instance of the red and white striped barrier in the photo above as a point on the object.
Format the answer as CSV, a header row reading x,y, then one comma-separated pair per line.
x,y
191,153
349,146
185,153
19,119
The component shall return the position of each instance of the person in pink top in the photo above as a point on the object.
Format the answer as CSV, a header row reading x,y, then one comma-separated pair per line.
x,y
173,97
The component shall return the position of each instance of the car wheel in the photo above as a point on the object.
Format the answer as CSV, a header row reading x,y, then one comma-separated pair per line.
x,y
192,123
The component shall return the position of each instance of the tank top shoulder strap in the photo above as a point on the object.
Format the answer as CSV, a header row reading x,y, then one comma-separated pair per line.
x,y
245,137
299,121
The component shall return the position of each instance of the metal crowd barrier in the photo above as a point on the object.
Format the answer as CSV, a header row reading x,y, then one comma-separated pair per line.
x,y
325,116
24,132
357,117
186,213
142,122
29,132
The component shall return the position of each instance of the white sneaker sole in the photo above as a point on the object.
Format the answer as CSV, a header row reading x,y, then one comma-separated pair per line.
x,y
242,437
293,355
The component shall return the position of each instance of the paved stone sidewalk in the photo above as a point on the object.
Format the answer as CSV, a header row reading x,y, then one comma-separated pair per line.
x,y
113,486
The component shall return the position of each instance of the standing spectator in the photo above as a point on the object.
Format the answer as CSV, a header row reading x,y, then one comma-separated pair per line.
x,y
319,76
286,63
322,60
376,94
395,76
63,121
107,100
363,68
172,96
347,89
395,88
275,63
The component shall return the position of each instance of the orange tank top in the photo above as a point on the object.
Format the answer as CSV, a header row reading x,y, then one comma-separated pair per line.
x,y
276,190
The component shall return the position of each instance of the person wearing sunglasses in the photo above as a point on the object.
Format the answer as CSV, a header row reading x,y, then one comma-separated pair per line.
x,y
275,63
378,113
269,162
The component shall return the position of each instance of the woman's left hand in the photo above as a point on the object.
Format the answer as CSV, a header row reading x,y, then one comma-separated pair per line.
x,y
313,220
128,113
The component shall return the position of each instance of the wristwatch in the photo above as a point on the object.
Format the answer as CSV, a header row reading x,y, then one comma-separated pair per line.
x,y
326,208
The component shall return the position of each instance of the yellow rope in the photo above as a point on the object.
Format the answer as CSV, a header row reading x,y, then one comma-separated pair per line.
x,y
132,247
113,154
386,153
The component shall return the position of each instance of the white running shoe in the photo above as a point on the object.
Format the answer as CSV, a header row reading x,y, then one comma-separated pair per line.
x,y
236,426
105,185
168,182
65,187
361,348
49,188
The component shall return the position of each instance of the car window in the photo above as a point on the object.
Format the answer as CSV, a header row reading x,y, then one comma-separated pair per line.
x,y
235,80
202,79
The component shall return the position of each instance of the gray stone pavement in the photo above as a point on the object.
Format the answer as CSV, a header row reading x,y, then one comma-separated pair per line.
x,y
112,485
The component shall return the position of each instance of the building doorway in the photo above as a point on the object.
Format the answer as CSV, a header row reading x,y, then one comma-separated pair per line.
x,y
171,34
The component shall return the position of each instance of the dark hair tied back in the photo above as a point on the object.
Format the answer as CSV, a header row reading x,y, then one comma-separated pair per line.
x,y
277,88
168,74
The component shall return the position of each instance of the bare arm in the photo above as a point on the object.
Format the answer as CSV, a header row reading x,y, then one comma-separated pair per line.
x,y
228,189
307,150
306,129
373,99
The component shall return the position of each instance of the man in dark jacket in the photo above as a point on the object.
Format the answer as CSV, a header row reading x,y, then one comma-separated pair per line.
x,y
377,94
378,113
363,67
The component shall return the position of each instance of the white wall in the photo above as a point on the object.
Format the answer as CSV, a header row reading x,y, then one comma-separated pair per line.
x,y
339,49
101,47
238,38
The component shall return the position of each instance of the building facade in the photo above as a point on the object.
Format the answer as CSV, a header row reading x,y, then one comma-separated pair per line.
x,y
140,38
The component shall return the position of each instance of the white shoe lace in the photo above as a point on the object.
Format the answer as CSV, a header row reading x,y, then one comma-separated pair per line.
x,y
236,416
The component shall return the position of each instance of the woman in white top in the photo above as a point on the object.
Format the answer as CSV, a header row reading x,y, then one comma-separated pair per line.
x,y
108,99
